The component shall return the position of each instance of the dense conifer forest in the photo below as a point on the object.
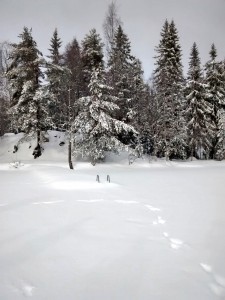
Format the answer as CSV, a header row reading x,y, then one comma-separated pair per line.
x,y
95,92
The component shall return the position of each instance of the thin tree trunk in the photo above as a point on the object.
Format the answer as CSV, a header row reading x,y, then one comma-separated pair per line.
x,y
37,149
70,155
192,153
38,137
70,134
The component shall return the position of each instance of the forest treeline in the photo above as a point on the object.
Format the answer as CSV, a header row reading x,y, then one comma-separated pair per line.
x,y
97,95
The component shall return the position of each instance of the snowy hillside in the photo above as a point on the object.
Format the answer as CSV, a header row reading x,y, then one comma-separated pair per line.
x,y
156,231
52,150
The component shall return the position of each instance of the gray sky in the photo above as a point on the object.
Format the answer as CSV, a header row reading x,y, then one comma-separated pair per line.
x,y
200,21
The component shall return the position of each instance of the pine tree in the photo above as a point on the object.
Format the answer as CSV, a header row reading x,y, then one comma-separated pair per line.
x,y
215,95
96,127
91,56
56,77
198,109
169,139
24,75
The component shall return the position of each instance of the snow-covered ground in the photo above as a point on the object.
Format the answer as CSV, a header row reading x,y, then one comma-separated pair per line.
x,y
156,231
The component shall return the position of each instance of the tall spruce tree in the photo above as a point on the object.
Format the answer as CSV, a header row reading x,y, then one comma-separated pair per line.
x,y
138,106
72,60
220,145
91,56
4,89
138,90
119,73
56,77
215,95
24,75
73,91
149,117
198,110
97,128
169,139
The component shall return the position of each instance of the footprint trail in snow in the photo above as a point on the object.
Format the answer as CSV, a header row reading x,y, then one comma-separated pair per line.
x,y
217,285
176,243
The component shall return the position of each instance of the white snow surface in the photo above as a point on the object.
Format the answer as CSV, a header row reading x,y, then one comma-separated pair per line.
x,y
156,231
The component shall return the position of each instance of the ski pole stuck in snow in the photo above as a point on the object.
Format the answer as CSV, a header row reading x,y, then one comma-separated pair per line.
x,y
108,178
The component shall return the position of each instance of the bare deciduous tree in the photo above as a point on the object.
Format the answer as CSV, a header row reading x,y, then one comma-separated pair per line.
x,y
110,25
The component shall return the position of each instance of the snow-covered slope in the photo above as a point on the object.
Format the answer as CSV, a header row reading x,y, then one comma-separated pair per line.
x,y
156,231
52,150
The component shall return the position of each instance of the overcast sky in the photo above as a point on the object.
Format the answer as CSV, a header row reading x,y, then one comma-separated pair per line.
x,y
200,21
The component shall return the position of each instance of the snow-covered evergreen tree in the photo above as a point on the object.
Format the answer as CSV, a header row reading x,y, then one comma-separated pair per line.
x,y
72,91
96,127
215,95
91,56
55,77
198,109
55,45
24,75
138,106
169,139
72,60
138,90
220,144
119,73
4,89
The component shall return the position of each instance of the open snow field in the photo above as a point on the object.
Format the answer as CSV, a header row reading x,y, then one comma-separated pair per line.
x,y
155,232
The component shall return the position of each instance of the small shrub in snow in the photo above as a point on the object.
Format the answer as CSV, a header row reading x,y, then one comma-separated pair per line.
x,y
16,164
15,149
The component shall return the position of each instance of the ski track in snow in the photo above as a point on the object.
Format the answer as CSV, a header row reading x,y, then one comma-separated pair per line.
x,y
61,201
91,200
48,202
126,201
135,221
